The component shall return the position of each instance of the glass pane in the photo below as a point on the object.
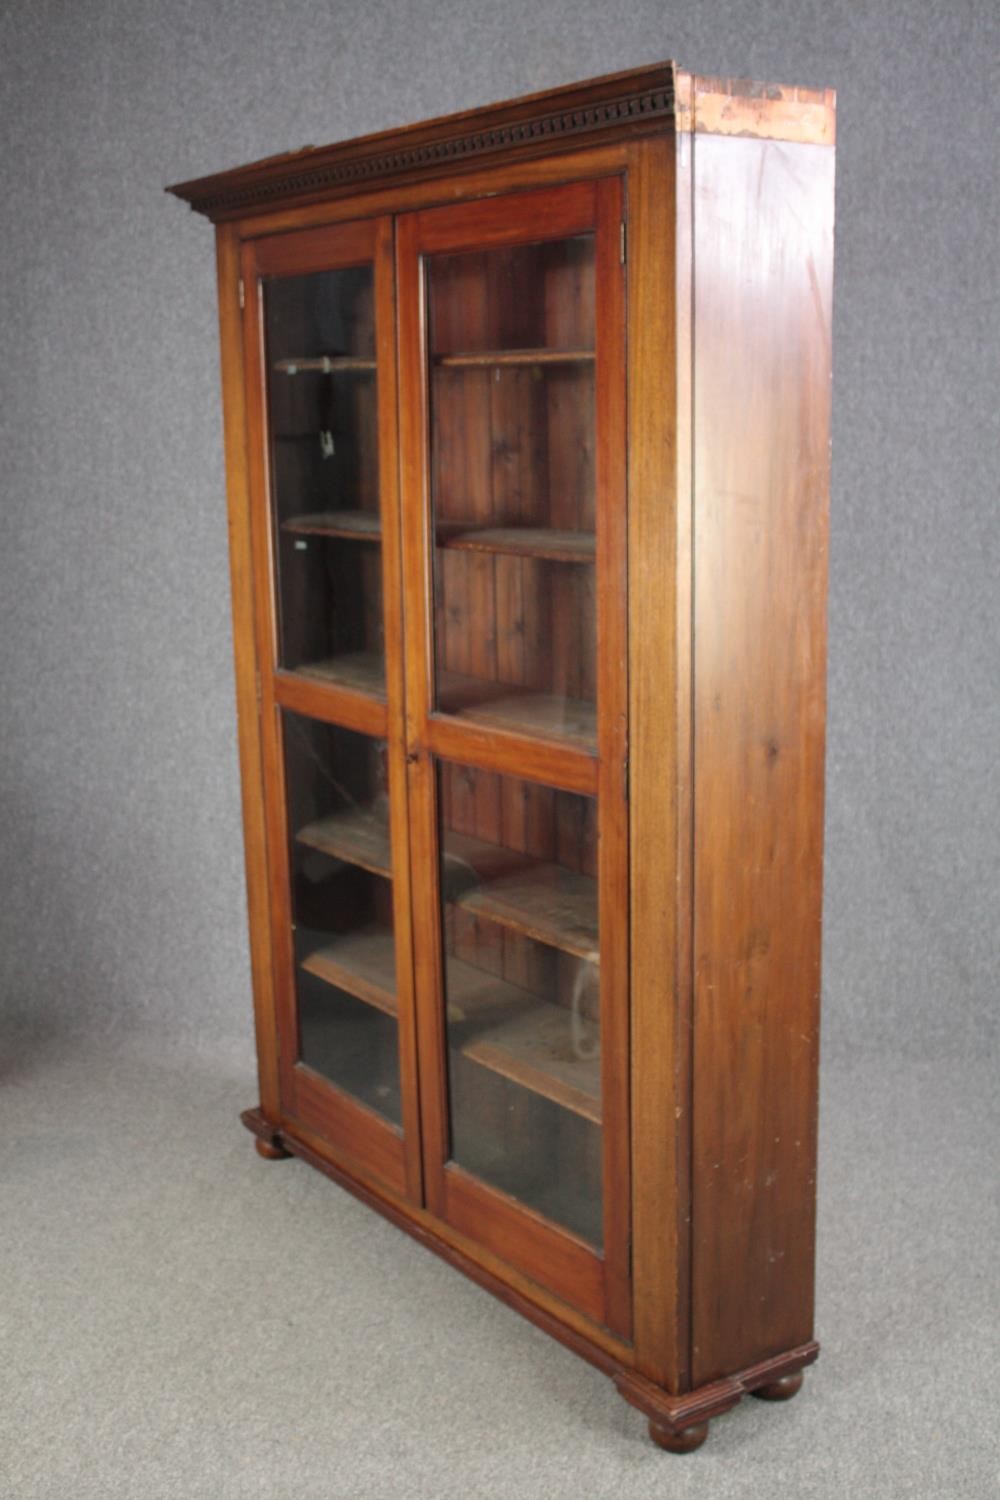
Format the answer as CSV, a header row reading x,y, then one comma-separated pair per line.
x,y
521,963
320,341
511,344
338,820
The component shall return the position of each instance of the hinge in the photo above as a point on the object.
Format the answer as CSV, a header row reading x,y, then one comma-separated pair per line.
x,y
243,294
624,241
625,779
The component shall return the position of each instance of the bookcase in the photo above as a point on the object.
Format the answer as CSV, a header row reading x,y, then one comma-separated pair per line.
x,y
527,436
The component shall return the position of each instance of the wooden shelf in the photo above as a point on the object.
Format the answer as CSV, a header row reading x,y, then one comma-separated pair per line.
x,y
532,1046
534,897
518,541
363,671
538,900
505,706
487,358
352,525
496,1024
363,963
331,364
356,835
500,1026
523,541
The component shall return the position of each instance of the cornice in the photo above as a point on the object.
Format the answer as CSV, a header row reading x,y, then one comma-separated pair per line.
x,y
631,103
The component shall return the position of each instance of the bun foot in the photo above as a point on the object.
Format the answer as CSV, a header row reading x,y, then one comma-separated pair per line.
x,y
269,1151
780,1390
685,1441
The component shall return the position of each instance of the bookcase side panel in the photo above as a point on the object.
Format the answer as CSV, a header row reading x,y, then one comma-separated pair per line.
x,y
762,292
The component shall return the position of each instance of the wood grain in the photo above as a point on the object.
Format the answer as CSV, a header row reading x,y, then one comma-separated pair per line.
x,y
363,963
474,486
244,608
332,702
762,111
498,358
543,901
668,763
285,1036
556,1318
533,1047
351,525
552,1257
356,835
611,521
312,250
659,517
498,747
478,181
416,531
361,1134
394,631
676,1414
546,715
524,541
579,115
307,1097
324,364
479,223
359,671
543,1308
762,373
517,541
521,133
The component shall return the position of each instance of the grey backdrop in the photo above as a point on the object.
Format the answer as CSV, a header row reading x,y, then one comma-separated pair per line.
x,y
178,1320
121,866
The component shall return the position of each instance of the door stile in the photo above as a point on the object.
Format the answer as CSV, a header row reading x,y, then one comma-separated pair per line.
x,y
241,556
612,698
415,533
385,335
266,639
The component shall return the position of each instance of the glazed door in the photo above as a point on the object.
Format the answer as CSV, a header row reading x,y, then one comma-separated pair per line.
x,y
512,431
321,379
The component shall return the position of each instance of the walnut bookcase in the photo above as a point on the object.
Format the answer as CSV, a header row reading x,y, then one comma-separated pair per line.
x,y
527,437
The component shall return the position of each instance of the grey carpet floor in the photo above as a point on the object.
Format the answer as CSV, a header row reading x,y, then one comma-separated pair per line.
x,y
181,1319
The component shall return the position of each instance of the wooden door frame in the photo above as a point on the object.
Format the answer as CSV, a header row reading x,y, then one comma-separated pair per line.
x,y
357,1135
598,1284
